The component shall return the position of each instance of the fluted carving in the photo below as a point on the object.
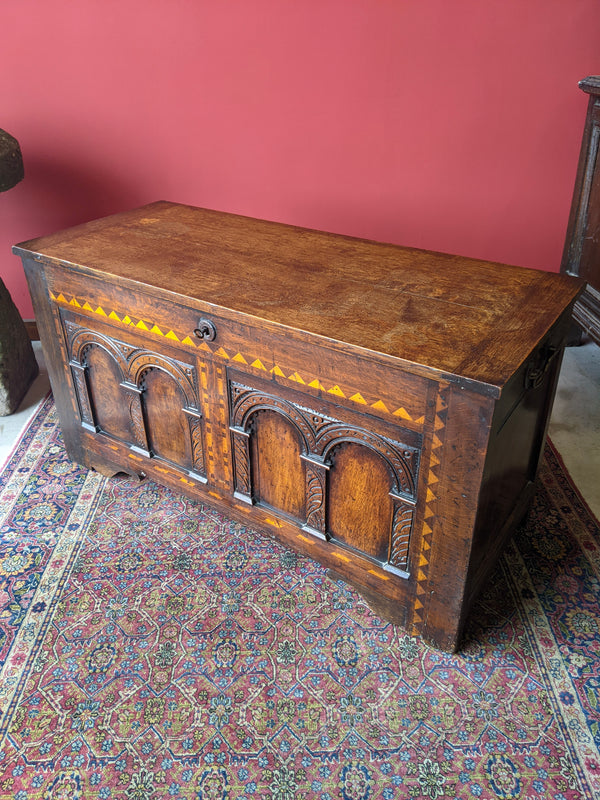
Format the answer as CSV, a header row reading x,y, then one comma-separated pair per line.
x,y
136,417
400,536
197,440
316,487
241,462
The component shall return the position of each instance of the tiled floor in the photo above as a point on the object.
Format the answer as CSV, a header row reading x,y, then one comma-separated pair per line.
x,y
574,427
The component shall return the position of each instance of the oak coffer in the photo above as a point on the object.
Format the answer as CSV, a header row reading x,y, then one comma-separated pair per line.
x,y
379,408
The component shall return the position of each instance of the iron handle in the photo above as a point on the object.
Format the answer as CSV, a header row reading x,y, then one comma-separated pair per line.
x,y
536,370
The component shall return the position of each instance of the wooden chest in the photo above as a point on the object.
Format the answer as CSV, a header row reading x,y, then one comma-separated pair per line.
x,y
378,408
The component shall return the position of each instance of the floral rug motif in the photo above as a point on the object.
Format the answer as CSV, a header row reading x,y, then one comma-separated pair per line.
x,y
152,648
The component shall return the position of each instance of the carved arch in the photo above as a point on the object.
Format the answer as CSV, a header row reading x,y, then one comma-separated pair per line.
x,y
320,434
81,339
144,360
252,402
402,472
183,376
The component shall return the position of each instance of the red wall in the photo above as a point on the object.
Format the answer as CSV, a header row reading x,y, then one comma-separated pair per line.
x,y
452,126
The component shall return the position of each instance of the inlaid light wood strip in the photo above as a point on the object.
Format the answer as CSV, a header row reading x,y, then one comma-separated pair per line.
x,y
422,566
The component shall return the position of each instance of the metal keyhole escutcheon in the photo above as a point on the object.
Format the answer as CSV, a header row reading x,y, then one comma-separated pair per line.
x,y
206,330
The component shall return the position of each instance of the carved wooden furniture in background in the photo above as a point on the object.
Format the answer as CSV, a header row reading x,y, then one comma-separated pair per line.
x,y
378,408
581,255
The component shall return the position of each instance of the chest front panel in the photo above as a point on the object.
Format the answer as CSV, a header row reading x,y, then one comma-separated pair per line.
x,y
319,442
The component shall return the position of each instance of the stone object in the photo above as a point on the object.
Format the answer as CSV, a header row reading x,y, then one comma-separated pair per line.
x,y
18,365
11,162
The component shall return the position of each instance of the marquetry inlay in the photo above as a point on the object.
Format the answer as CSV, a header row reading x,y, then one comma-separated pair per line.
x,y
423,563
260,363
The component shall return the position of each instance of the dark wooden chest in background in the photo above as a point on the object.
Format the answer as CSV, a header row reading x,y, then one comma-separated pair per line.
x,y
378,408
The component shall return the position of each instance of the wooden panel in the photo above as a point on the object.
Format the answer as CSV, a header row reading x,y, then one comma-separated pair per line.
x,y
278,471
359,509
167,425
357,380
109,407
427,309
340,481
153,397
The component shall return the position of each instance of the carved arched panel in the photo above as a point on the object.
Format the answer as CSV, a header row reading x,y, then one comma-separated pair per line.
x,y
340,481
139,396
103,375
359,506
401,460
167,425
247,401
81,338
278,472
182,374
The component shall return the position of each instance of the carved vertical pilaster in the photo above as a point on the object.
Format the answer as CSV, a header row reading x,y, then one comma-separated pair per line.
x,y
133,396
197,441
400,535
316,488
241,463
83,397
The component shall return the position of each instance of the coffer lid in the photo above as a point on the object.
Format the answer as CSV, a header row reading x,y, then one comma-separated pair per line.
x,y
457,317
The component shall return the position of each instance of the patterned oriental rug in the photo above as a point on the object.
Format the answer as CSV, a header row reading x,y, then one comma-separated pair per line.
x,y
152,648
